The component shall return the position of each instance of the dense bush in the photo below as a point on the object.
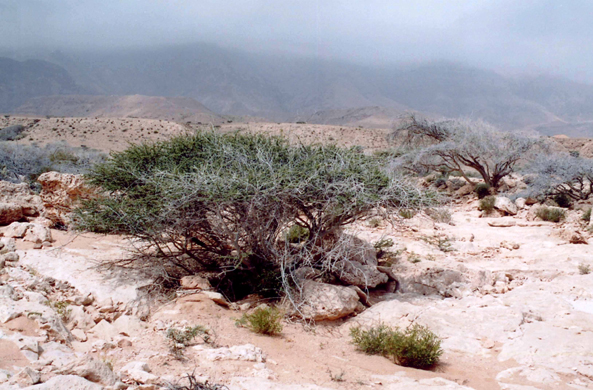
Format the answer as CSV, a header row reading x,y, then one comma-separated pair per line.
x,y
550,214
587,215
208,202
482,190
26,162
415,346
561,175
453,145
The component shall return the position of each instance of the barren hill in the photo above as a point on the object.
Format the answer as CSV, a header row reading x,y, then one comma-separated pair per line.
x,y
180,109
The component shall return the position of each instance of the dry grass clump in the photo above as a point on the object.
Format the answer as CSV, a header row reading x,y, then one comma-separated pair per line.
x,y
550,214
263,320
487,204
415,346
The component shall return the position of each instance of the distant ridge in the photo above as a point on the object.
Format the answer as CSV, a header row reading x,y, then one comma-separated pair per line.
x,y
179,109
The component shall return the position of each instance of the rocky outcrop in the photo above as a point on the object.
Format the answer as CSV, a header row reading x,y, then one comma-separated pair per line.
x,y
61,193
505,205
356,274
32,232
21,195
10,212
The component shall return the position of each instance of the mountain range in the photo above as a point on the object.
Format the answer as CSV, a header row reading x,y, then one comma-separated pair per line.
x,y
282,87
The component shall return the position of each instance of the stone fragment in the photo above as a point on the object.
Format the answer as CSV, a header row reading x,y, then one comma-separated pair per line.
x,y
91,369
326,302
10,212
192,282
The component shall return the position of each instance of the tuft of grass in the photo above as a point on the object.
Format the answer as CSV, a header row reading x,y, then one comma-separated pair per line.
x,y
263,320
550,214
443,243
297,234
587,215
407,213
584,269
416,346
375,222
487,204
439,215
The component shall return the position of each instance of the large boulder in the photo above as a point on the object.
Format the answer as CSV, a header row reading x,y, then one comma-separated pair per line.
x,y
91,369
506,205
28,231
363,276
61,193
326,302
10,212
21,194
66,382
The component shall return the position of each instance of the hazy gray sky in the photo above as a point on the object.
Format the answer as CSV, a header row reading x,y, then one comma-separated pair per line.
x,y
523,35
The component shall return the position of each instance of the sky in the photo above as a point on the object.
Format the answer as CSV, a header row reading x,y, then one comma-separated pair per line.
x,y
540,36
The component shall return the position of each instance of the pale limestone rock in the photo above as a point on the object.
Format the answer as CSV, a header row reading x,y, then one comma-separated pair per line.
x,y
28,231
325,302
129,326
79,335
363,276
247,352
139,372
192,282
105,331
506,205
66,382
10,212
91,369
216,298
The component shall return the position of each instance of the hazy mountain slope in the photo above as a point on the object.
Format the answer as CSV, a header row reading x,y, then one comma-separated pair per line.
x,y
281,86
152,107
367,117
20,81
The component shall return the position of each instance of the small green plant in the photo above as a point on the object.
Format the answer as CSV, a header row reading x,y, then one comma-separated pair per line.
x,y
563,200
550,214
263,320
584,269
383,243
407,213
487,204
181,338
61,309
443,243
415,346
587,215
414,258
337,377
375,222
482,190
297,234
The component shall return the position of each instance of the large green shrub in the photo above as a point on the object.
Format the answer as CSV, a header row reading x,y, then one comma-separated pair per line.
x,y
222,203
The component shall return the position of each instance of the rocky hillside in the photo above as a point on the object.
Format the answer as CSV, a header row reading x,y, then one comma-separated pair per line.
x,y
177,109
20,81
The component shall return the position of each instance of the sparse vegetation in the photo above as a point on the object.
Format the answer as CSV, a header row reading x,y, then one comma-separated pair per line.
x,y
453,145
550,214
563,200
415,346
584,269
441,242
297,234
263,320
181,338
407,214
194,384
587,215
442,215
487,204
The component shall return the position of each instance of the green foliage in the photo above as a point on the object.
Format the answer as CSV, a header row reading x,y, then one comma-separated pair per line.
x,y
263,320
563,200
482,190
297,234
441,242
181,338
222,203
587,215
383,243
407,213
550,214
487,204
415,346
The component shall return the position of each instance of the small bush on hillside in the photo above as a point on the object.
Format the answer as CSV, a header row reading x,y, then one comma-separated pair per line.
x,y
181,338
587,215
222,204
26,162
416,346
263,320
12,133
487,204
550,214
407,214
482,190
194,384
